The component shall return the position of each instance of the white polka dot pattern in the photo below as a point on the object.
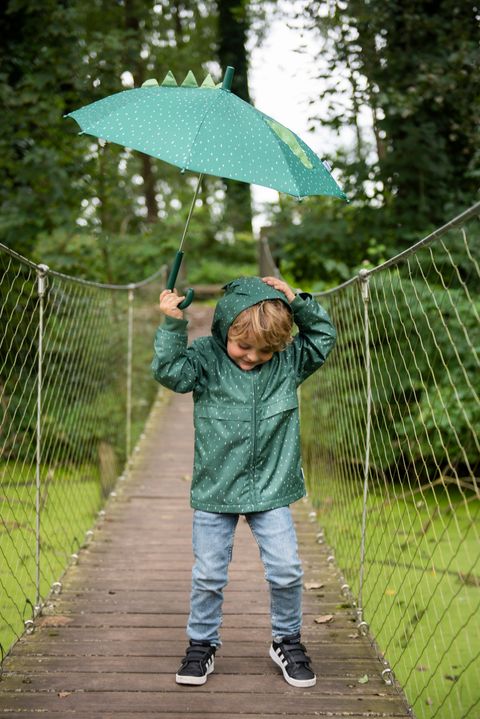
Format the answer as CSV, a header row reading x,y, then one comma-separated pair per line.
x,y
212,131
247,447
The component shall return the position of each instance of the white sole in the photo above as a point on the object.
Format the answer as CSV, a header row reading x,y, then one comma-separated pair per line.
x,y
294,682
196,681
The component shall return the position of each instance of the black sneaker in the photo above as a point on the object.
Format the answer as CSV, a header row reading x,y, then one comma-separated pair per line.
x,y
197,663
294,662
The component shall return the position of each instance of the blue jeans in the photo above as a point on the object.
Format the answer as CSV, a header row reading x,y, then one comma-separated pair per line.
x,y
213,545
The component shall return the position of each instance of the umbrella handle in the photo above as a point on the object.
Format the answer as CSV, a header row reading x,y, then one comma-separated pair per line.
x,y
190,294
172,278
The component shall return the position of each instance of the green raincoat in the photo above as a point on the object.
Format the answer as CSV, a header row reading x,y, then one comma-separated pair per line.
x,y
247,444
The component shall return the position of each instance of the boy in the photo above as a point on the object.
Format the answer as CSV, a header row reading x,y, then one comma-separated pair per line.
x,y
244,380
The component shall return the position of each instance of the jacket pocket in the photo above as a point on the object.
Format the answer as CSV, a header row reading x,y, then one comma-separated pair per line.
x,y
284,404
277,463
223,445
220,411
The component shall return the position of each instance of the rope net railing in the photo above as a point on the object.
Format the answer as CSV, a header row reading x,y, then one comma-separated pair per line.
x,y
392,455
74,398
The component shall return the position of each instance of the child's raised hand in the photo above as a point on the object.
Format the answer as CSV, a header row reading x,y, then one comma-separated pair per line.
x,y
168,304
281,286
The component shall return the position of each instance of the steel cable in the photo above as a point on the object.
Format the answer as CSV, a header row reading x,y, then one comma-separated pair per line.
x,y
84,349
419,596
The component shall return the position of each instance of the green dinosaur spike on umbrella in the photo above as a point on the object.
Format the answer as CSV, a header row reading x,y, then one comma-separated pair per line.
x,y
190,80
208,82
208,130
168,80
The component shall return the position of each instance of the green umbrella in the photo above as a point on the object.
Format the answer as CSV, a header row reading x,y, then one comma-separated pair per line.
x,y
208,130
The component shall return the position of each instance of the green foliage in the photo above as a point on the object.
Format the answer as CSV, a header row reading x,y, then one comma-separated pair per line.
x,y
424,412
55,184
421,543
319,241
77,254
124,258
430,426
409,67
215,272
101,257
418,564
38,167
70,501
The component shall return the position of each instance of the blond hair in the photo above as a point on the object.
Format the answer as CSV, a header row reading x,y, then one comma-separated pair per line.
x,y
268,323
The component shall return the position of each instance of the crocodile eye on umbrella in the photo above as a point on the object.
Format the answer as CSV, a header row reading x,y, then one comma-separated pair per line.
x,y
209,130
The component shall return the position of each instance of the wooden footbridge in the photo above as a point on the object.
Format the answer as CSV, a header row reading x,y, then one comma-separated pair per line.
x,y
110,644
391,456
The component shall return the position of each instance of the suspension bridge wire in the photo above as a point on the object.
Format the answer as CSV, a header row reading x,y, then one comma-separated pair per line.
x,y
72,368
419,588
420,593
89,283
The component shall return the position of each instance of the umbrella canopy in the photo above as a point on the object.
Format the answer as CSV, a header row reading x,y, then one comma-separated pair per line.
x,y
209,130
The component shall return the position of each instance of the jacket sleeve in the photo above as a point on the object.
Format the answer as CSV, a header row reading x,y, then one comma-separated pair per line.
x,y
175,365
315,339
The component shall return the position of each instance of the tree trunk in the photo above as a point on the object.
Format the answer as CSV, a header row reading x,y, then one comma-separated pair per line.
x,y
136,66
232,33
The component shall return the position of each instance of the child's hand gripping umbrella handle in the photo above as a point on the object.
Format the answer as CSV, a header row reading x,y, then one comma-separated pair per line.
x,y
172,278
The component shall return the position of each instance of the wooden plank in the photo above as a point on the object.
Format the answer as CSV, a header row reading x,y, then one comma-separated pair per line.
x,y
158,634
235,713
269,683
145,620
325,666
161,604
211,702
236,594
173,582
133,648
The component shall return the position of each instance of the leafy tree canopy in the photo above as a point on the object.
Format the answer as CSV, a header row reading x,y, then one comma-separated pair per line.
x,y
410,67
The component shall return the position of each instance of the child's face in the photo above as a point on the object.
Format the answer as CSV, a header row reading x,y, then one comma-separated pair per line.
x,y
247,353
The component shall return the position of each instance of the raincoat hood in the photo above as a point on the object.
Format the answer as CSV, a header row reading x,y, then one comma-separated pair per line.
x,y
239,295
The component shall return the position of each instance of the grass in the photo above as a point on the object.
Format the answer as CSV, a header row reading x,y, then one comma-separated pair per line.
x,y
421,592
70,501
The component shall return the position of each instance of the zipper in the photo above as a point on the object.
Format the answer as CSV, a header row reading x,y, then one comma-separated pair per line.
x,y
254,434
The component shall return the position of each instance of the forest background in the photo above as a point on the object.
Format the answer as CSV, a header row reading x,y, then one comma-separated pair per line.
x,y
80,205
394,96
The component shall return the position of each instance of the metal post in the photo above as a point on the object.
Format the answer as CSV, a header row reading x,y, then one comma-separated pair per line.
x,y
364,279
128,437
42,271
